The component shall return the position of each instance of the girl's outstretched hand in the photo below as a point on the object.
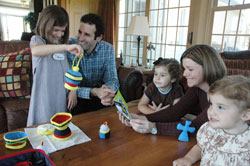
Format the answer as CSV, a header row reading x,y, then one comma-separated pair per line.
x,y
185,161
75,49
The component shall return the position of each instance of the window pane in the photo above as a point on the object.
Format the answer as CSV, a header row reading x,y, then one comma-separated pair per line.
x,y
161,4
122,20
236,2
160,18
243,43
172,17
121,48
154,4
122,8
179,52
143,5
159,35
127,60
136,5
152,38
158,51
232,22
244,26
171,35
169,51
121,36
166,4
219,19
184,3
216,42
128,45
164,34
165,17
130,5
183,16
228,43
223,2
247,2
173,3
153,16
129,19
182,35
15,33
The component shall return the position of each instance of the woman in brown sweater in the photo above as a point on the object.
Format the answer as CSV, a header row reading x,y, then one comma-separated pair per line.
x,y
202,66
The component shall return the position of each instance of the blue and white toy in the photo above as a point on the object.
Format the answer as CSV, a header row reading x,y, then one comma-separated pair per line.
x,y
104,131
184,134
44,148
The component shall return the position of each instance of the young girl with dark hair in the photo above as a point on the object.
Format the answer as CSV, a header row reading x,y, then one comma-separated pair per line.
x,y
165,90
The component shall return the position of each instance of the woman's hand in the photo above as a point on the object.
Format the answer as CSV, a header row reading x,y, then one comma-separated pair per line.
x,y
123,120
185,161
141,124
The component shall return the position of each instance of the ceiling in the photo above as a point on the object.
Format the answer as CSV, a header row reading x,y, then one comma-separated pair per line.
x,y
15,3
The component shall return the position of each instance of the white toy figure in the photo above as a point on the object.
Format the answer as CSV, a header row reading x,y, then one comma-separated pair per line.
x,y
44,148
104,132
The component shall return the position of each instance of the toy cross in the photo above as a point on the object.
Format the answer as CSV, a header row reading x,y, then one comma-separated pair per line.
x,y
184,134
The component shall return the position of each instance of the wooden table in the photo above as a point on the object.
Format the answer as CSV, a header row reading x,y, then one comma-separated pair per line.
x,y
124,147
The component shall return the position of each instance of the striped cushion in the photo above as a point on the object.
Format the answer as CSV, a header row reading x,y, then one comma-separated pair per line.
x,y
15,74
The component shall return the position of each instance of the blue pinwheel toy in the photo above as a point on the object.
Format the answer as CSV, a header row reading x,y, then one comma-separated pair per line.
x,y
185,129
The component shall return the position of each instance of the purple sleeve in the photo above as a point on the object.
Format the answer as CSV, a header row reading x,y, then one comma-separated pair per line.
x,y
170,128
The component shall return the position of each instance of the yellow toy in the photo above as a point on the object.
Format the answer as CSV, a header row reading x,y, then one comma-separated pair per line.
x,y
73,77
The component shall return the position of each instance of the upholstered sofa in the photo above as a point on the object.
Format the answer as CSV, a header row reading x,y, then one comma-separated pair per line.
x,y
237,63
14,104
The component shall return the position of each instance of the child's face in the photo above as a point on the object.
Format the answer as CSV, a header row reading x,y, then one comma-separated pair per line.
x,y
162,78
224,114
58,32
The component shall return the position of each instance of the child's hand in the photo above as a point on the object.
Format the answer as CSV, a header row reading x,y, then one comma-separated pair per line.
x,y
72,99
185,161
75,49
157,108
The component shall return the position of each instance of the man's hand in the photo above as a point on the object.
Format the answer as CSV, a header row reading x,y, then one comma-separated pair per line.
x,y
72,99
105,94
157,108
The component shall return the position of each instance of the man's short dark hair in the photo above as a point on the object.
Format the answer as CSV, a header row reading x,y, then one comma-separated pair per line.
x,y
95,19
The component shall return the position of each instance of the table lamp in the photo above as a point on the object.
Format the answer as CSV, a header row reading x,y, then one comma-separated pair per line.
x,y
138,26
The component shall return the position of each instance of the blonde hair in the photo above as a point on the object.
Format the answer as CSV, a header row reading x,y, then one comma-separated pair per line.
x,y
49,17
211,62
235,87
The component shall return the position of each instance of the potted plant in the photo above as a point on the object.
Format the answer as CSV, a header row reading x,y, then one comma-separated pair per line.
x,y
30,19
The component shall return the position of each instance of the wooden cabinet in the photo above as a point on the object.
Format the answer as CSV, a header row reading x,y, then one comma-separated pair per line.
x,y
76,9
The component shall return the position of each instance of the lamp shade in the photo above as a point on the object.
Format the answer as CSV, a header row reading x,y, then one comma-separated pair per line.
x,y
138,26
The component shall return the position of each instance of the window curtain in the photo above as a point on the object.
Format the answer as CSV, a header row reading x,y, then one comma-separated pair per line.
x,y
107,10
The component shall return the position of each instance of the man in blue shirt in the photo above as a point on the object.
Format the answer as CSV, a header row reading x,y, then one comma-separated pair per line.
x,y
97,66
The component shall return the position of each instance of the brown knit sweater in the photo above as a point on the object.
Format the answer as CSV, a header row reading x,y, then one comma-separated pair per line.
x,y
167,120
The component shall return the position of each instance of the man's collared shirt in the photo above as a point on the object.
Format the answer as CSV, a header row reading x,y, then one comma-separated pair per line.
x,y
97,69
